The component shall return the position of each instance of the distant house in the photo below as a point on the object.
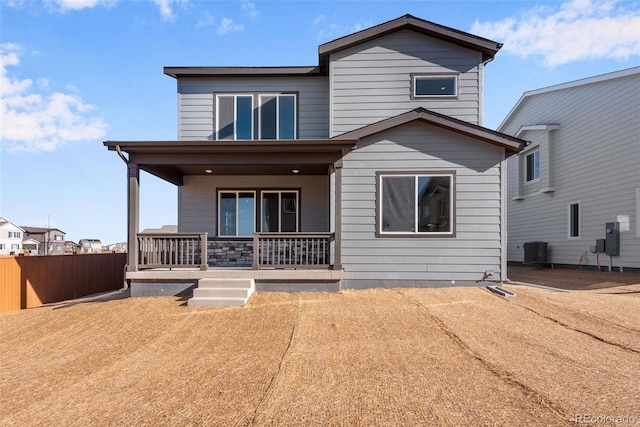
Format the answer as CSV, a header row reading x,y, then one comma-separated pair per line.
x,y
369,169
11,237
162,230
578,181
90,246
120,247
51,240
70,247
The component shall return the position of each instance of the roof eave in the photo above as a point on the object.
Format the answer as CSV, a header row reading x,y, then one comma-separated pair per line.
x,y
178,72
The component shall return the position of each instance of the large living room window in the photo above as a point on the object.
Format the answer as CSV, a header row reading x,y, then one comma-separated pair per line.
x,y
278,116
416,204
236,213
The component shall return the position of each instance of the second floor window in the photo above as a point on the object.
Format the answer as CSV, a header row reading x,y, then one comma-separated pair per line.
x,y
256,116
533,166
14,235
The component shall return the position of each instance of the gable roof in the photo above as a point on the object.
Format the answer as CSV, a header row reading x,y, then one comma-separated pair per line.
x,y
510,143
488,47
39,230
4,221
576,83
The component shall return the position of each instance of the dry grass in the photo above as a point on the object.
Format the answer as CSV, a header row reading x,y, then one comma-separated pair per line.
x,y
458,356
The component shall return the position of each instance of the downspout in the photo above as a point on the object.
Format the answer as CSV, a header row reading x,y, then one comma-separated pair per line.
x,y
125,285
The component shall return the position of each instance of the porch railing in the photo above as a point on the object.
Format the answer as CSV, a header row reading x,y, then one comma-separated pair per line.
x,y
172,250
292,250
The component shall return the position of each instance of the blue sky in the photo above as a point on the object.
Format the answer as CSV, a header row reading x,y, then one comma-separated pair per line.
x,y
78,72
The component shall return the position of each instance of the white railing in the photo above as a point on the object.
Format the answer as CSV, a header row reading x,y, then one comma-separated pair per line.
x,y
292,250
172,250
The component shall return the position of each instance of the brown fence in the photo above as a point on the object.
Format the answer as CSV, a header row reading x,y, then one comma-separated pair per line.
x,y
30,281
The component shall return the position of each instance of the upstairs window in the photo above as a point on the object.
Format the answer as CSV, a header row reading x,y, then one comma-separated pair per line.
x,y
277,116
235,116
434,86
416,204
14,234
533,166
256,116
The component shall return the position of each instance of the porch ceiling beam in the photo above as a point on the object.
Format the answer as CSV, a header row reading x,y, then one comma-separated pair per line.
x,y
167,159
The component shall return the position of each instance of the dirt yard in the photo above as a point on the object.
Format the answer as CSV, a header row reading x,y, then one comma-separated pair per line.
x,y
450,357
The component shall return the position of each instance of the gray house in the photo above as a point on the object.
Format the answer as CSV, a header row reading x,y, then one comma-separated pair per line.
x,y
575,190
369,169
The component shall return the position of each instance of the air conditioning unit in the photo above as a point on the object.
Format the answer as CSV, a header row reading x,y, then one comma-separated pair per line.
x,y
535,252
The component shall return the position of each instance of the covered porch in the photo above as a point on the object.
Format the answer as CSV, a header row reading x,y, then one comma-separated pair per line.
x,y
208,174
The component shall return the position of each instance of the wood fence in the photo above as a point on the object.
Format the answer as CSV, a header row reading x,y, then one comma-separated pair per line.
x,y
31,281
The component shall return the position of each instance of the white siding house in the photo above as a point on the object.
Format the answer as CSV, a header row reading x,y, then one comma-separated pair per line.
x,y
11,237
580,172
370,169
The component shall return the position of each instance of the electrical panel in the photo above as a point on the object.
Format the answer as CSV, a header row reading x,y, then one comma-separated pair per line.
x,y
600,246
612,239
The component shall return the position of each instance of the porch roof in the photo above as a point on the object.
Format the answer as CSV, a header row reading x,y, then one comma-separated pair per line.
x,y
172,160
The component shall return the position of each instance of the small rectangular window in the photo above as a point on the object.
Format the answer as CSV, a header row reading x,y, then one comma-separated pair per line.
x,y
533,166
235,117
236,213
416,204
430,86
279,211
574,220
278,116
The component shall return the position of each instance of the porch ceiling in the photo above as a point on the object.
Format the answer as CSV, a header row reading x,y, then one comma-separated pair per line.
x,y
172,160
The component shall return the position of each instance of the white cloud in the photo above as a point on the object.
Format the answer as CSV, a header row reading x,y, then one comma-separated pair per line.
x,y
207,20
575,31
250,9
227,25
329,29
64,5
40,121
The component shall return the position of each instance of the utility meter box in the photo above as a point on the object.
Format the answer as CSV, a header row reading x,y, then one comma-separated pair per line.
x,y
600,246
612,239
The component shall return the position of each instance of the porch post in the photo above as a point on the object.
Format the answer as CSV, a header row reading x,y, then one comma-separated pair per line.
x,y
337,255
133,215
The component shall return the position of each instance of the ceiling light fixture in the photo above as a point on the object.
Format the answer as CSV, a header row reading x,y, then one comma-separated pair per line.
x,y
208,170
295,171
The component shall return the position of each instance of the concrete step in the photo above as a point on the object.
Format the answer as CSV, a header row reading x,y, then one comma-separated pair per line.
x,y
216,302
225,283
221,292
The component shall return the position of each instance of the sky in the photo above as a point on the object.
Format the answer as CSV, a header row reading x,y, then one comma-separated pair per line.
x,y
75,73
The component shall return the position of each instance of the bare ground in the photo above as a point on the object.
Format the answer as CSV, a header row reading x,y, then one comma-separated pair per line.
x,y
456,356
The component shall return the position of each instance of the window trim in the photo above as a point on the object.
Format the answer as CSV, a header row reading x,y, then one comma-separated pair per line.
x,y
416,234
570,222
218,223
536,154
456,85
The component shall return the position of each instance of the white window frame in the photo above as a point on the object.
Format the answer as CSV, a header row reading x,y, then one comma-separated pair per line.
x,y
570,220
415,77
277,96
416,233
536,155
279,192
237,194
235,114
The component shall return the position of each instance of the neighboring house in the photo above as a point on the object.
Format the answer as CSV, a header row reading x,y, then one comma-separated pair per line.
x,y
51,240
580,172
162,230
11,237
369,169
90,246
70,247
30,247
117,247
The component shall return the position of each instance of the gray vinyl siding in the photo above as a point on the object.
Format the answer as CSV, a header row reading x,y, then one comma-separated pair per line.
x,y
372,81
369,260
596,163
197,199
196,102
